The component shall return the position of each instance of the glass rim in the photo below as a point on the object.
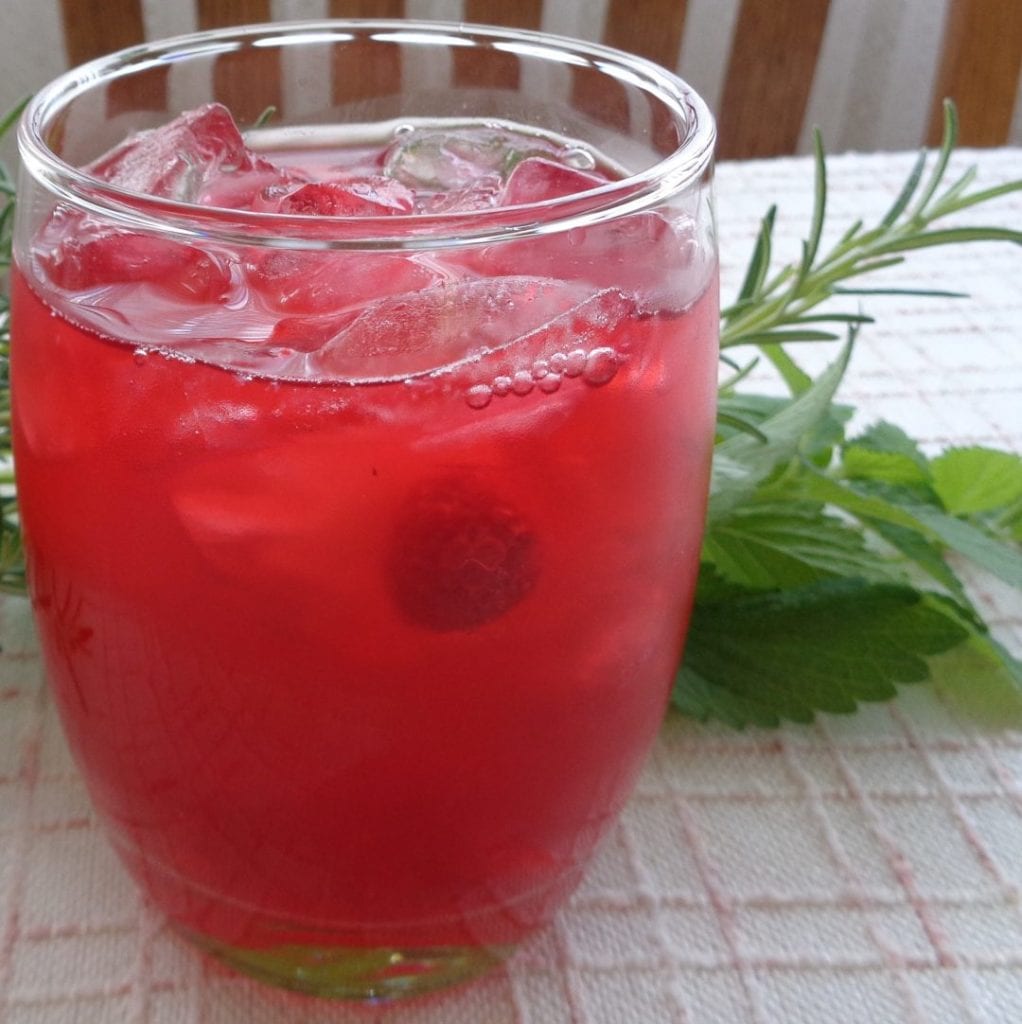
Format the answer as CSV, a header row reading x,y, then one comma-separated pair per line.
x,y
634,193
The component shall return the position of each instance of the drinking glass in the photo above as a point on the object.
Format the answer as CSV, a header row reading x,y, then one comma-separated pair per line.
x,y
362,460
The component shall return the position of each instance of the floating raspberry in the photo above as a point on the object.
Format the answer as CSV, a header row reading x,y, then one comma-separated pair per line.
x,y
461,558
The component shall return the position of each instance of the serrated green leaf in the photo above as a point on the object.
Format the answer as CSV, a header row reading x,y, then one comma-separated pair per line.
x,y
860,463
982,680
971,480
889,437
826,647
698,698
783,544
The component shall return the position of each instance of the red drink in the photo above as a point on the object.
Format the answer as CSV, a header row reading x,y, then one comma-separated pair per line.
x,y
362,577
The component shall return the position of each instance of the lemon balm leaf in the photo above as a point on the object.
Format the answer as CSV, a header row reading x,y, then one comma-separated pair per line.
x,y
889,438
972,480
861,463
781,544
981,679
764,658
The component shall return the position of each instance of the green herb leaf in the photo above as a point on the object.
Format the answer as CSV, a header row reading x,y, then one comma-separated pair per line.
x,y
889,437
982,680
741,462
769,304
786,544
923,555
1003,561
971,480
761,658
861,463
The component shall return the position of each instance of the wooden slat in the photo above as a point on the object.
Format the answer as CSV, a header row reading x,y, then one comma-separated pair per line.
x,y
221,13
500,70
367,8
246,81
378,77
980,65
770,73
602,98
521,14
95,27
648,28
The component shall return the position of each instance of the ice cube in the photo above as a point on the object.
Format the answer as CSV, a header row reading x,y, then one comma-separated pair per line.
x,y
96,257
307,283
640,254
307,333
482,194
643,254
371,196
439,326
256,512
443,160
259,189
283,512
537,179
181,159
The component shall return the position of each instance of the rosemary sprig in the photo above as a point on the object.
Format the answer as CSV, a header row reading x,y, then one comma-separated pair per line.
x,y
771,311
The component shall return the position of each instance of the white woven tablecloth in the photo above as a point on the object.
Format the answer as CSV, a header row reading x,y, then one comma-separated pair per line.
x,y
864,869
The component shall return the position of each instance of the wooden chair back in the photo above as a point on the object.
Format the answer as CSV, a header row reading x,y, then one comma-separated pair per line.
x,y
873,71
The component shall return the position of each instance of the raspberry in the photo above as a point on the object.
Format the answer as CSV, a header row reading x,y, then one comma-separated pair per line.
x,y
461,557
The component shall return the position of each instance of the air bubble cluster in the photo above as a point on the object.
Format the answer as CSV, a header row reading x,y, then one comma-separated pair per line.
x,y
595,367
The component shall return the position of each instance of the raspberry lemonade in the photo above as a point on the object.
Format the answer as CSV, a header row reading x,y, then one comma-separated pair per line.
x,y
361,552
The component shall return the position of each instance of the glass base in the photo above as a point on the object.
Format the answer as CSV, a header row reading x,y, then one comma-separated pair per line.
x,y
365,974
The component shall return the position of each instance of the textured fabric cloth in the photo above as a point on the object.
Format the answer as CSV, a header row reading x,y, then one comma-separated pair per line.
x,y
864,868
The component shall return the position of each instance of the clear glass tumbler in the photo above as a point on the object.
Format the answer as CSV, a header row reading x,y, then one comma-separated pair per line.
x,y
362,455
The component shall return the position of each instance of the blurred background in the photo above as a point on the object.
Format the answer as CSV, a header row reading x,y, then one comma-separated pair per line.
x,y
871,73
